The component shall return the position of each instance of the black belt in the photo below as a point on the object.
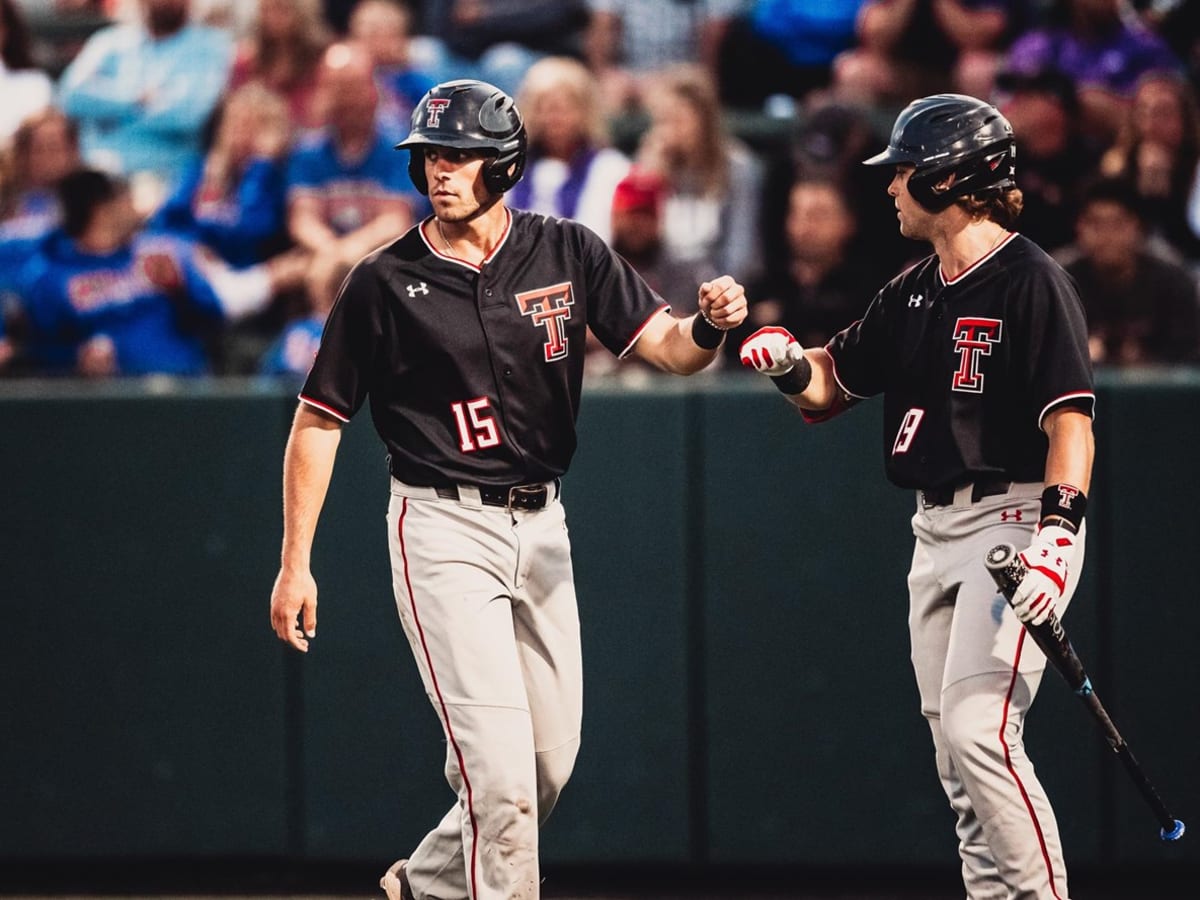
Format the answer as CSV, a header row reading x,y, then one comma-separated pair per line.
x,y
944,496
516,496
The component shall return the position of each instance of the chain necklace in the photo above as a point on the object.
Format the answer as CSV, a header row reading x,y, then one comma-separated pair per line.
x,y
449,249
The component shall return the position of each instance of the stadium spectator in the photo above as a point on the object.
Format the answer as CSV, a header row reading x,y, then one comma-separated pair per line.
x,y
105,298
142,93
496,40
1178,23
232,199
383,28
908,48
824,281
784,47
569,172
26,89
347,190
637,235
233,203
1158,150
715,182
283,52
43,151
1141,308
1055,159
829,144
1105,55
627,40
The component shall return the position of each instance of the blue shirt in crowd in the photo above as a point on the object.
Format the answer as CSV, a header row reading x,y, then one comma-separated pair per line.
x,y
141,102
351,192
72,296
244,226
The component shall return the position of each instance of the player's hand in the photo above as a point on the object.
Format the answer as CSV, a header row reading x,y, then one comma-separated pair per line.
x,y
294,607
1046,569
771,350
723,302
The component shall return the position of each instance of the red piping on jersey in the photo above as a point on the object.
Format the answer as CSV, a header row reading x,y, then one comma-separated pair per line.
x,y
1037,826
321,406
462,262
1063,399
637,334
462,767
975,265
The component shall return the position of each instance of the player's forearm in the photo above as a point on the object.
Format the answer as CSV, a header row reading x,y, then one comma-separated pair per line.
x,y
679,354
307,469
1072,448
822,388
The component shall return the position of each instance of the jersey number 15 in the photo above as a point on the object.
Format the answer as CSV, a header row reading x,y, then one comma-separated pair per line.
x,y
476,425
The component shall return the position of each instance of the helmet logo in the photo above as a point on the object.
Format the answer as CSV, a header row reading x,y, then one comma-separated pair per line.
x,y
434,108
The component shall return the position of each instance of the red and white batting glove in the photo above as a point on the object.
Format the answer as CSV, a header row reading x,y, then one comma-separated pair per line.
x,y
1045,581
772,351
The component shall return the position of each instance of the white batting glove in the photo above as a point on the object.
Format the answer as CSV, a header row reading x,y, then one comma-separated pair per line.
x,y
1045,561
772,351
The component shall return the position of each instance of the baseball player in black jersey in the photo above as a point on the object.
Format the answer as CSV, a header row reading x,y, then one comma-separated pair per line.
x,y
467,337
980,351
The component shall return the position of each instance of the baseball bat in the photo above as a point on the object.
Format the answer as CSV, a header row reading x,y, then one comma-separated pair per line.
x,y
1007,571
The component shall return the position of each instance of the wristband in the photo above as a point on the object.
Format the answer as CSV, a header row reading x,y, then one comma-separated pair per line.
x,y
705,333
1065,502
796,379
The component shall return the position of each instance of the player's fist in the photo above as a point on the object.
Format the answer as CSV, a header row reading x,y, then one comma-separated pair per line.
x,y
723,302
1046,562
772,351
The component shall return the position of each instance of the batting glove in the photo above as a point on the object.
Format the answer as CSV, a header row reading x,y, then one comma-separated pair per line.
x,y
1045,581
772,351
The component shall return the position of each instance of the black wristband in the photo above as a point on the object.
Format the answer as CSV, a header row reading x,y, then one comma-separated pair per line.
x,y
1066,502
795,380
705,333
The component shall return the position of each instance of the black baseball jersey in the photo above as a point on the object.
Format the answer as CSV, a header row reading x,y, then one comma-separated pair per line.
x,y
969,367
474,372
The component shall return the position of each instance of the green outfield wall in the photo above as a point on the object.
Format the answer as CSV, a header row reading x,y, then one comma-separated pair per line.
x,y
740,575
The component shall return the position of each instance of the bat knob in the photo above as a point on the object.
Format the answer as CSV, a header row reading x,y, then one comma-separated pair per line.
x,y
1000,556
1175,833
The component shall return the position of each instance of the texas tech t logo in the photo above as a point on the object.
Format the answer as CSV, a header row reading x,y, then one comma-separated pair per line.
x,y
550,307
434,107
973,339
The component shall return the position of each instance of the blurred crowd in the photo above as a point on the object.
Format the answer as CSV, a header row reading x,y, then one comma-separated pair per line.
x,y
185,183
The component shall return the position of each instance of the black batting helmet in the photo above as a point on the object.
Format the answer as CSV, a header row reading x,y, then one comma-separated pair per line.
x,y
951,134
468,115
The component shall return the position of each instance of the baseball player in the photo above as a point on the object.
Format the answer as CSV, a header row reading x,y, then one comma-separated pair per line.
x,y
980,351
467,335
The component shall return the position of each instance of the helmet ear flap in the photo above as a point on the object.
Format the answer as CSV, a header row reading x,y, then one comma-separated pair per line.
x,y
416,169
504,171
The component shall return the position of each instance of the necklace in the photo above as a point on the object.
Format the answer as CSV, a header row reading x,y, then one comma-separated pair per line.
x,y
449,249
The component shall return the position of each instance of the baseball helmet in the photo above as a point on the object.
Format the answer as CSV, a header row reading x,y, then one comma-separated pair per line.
x,y
468,115
951,134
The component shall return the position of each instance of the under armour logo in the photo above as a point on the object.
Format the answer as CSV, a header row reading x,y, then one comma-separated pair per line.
x,y
414,289
914,300
434,107
1014,514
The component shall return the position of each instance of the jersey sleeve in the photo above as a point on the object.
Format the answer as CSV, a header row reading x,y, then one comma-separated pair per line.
x,y
1059,365
619,302
860,352
340,377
